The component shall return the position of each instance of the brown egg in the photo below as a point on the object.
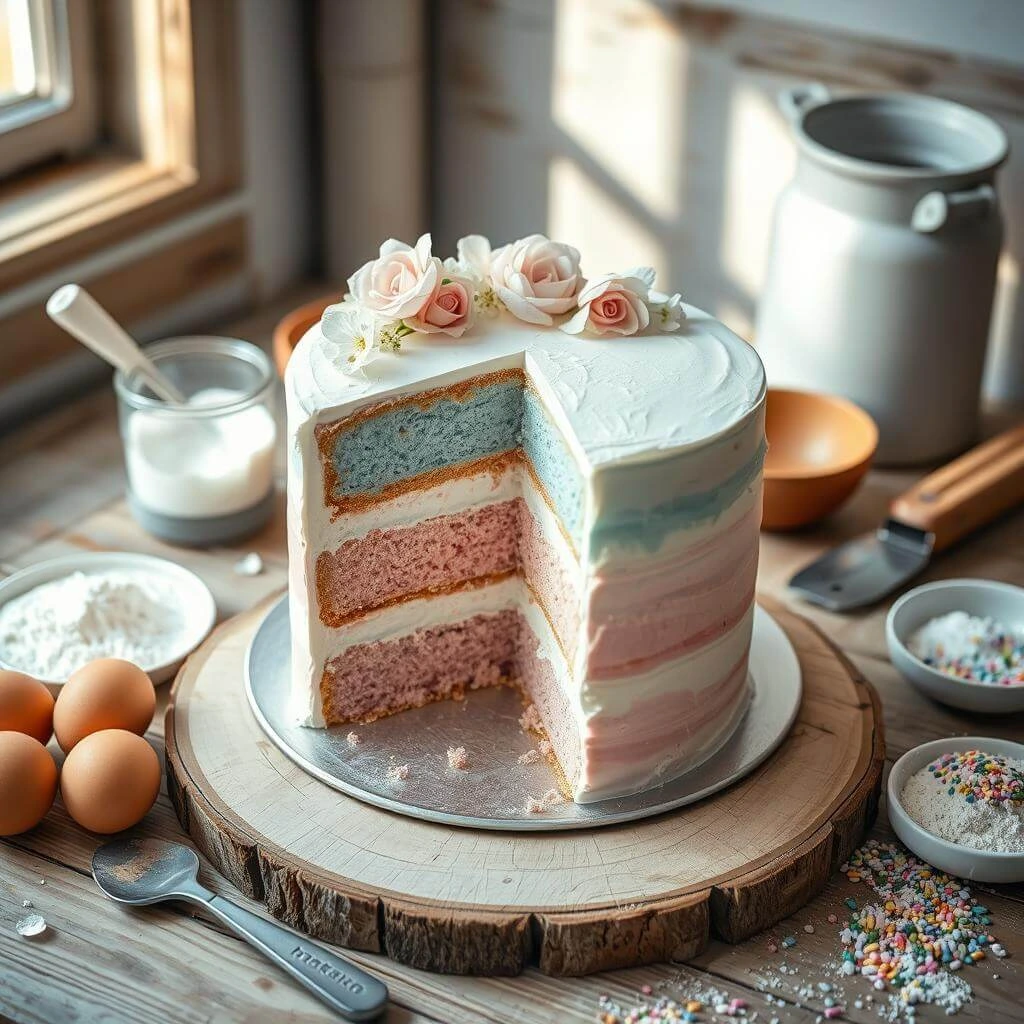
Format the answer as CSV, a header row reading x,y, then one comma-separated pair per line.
x,y
110,780
25,706
105,694
28,782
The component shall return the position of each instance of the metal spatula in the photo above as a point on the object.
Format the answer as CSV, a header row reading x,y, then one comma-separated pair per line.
x,y
943,508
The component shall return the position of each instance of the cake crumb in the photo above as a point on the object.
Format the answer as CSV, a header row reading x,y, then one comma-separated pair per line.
x,y
458,759
529,720
538,805
530,757
353,739
545,748
398,772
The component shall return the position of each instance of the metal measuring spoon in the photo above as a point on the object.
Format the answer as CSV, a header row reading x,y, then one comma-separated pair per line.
x,y
144,871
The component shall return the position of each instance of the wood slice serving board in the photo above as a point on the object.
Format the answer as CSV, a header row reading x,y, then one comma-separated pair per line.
x,y
456,900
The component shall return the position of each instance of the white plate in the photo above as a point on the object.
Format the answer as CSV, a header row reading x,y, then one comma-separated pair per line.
x,y
983,598
954,859
492,794
197,602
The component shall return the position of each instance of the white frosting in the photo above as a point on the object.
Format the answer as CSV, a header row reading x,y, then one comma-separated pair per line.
x,y
620,399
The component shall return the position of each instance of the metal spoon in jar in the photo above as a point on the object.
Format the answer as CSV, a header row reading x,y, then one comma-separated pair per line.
x,y
74,309
143,871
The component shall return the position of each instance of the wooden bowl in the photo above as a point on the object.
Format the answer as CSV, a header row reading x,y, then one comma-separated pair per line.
x,y
291,327
819,448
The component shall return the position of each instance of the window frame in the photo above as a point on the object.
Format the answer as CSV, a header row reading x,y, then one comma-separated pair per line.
x,y
170,110
62,121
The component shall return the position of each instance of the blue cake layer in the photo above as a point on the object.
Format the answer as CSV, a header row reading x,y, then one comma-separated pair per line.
x,y
408,440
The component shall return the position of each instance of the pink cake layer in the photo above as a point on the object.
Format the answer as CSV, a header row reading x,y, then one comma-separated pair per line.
x,y
428,557
639,621
687,720
371,680
438,555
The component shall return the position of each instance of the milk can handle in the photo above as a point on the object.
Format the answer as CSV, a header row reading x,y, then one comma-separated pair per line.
x,y
796,101
937,209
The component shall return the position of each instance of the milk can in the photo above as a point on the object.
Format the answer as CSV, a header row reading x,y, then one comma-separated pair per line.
x,y
883,263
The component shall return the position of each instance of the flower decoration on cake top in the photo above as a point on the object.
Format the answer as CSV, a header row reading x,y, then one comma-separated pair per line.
x,y
407,290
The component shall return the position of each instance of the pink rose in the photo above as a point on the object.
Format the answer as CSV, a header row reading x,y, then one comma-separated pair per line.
x,y
400,282
536,278
449,310
614,304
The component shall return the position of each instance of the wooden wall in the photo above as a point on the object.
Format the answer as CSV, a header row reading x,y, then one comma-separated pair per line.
x,y
649,133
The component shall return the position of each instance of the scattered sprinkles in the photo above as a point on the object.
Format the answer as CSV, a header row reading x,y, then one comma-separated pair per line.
x,y
971,649
923,927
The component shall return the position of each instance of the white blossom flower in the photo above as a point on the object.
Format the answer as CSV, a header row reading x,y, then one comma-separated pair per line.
x,y
474,262
352,336
666,310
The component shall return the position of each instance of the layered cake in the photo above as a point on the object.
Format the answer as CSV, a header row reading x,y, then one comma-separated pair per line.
x,y
501,472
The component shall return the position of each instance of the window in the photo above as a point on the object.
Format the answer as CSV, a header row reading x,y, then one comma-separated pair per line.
x,y
117,118
47,81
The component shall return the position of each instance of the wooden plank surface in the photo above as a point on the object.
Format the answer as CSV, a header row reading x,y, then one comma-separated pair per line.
x,y
60,484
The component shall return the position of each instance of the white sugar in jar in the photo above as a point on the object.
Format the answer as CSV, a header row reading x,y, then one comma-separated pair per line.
x,y
202,473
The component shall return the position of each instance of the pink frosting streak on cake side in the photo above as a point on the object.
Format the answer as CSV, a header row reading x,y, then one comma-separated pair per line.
x,y
640,622
370,680
689,723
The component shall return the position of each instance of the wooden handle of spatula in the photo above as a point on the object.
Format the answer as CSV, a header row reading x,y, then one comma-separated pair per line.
x,y
968,492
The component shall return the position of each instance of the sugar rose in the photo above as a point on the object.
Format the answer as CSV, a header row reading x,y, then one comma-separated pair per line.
x,y
400,282
448,310
614,304
536,278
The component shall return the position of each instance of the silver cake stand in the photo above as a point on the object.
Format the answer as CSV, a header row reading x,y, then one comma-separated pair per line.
x,y
493,792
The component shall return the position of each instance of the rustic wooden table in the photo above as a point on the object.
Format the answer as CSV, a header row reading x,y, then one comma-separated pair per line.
x,y
61,484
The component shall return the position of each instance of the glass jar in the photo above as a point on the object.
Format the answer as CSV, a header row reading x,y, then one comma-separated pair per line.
x,y
202,473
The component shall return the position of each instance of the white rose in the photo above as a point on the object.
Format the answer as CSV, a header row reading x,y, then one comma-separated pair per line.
x,y
400,282
536,278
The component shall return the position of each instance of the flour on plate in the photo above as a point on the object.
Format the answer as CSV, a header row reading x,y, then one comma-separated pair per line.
x,y
58,627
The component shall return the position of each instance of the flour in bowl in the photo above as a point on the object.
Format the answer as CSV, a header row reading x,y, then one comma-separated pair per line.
x,y
972,798
59,626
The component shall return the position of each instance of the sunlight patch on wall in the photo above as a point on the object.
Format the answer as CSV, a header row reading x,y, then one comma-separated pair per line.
x,y
608,237
618,92
759,160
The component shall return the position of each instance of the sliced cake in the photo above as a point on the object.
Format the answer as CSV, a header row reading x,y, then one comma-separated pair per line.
x,y
499,472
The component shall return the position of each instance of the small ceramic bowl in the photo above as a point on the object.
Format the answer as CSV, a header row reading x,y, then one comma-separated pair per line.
x,y
954,859
196,602
983,598
291,327
819,448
